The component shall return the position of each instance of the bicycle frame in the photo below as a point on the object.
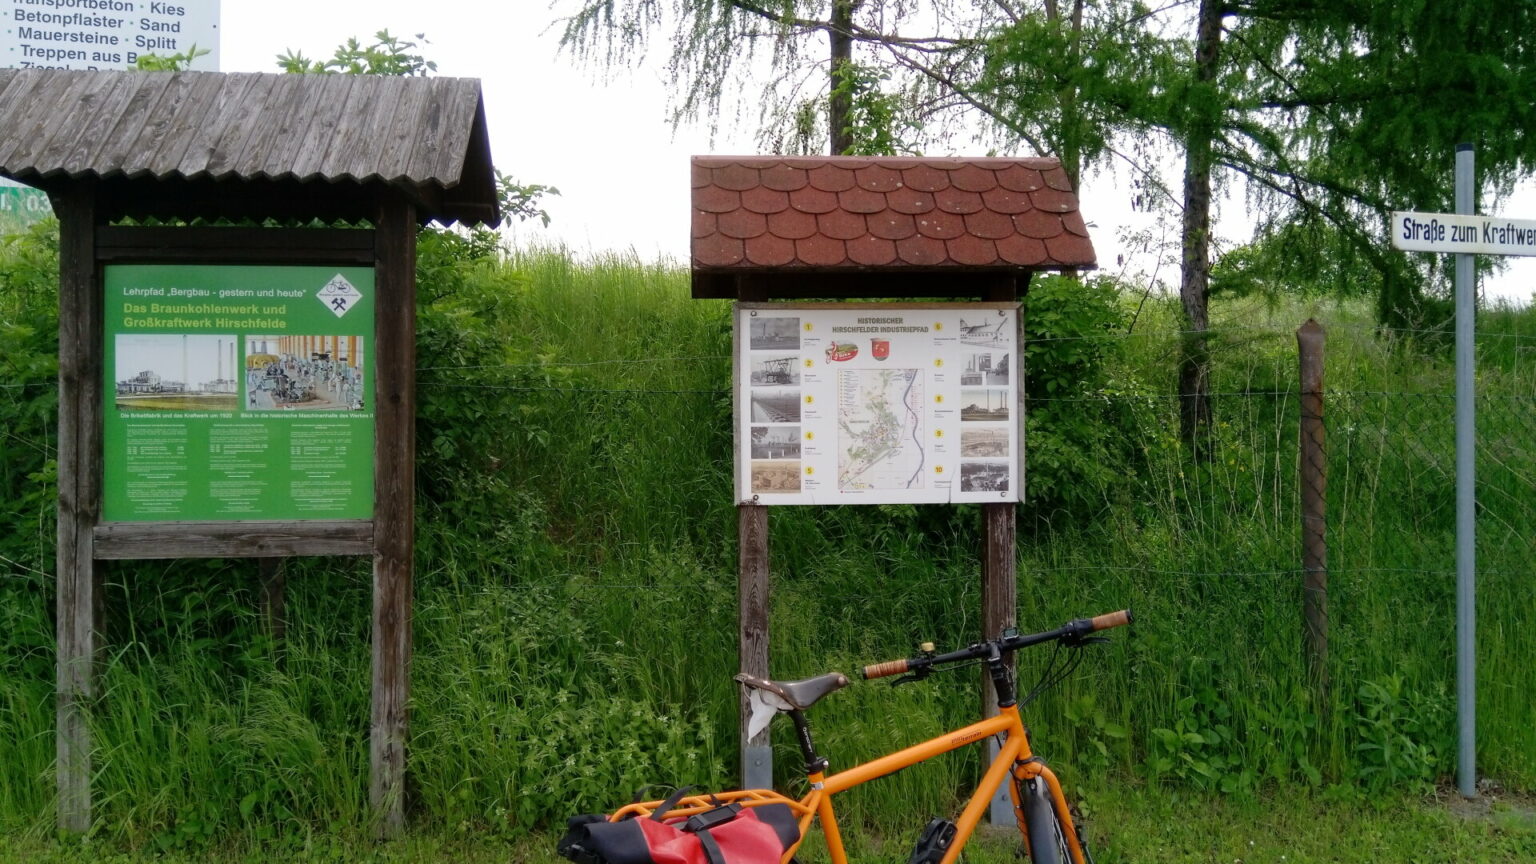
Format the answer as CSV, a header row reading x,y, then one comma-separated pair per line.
x,y
1014,759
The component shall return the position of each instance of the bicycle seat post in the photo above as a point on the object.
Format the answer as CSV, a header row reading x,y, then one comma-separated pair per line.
x,y
813,762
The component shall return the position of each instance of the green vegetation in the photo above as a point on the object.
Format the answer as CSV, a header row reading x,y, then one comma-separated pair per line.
x,y
1141,825
575,601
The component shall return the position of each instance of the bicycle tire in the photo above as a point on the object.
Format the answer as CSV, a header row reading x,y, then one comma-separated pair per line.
x,y
1047,843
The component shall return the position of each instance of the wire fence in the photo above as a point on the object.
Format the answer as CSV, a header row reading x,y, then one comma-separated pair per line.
x,y
1382,466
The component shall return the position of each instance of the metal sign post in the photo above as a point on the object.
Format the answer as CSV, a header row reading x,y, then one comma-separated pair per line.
x,y
1465,234
1466,496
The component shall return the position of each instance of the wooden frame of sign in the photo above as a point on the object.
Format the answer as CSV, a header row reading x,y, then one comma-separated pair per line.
x,y
85,541
300,162
843,228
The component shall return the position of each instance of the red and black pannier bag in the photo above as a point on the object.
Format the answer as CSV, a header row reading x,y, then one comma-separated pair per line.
x,y
729,834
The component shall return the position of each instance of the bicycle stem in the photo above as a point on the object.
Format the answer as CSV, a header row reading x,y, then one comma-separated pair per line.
x,y
1002,682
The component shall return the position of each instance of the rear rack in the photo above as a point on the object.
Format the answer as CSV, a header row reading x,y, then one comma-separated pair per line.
x,y
691,804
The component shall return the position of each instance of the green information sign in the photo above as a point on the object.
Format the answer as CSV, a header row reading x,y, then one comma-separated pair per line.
x,y
238,392
20,206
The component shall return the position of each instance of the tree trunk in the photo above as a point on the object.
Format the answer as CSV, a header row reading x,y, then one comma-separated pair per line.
x,y
1194,286
1071,117
840,104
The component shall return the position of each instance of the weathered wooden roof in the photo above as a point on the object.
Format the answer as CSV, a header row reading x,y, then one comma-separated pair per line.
x,y
785,217
250,142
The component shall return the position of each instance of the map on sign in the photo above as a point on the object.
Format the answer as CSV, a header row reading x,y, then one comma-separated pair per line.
x,y
880,429
855,403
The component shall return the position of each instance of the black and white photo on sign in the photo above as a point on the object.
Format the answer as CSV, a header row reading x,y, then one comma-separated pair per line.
x,y
775,442
776,370
985,331
983,476
985,368
176,372
984,441
772,477
773,334
984,404
775,406
304,373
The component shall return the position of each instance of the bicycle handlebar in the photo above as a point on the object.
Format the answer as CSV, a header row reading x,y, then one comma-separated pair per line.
x,y
1072,630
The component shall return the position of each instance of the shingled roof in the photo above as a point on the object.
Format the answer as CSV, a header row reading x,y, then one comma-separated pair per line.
x,y
756,214
294,139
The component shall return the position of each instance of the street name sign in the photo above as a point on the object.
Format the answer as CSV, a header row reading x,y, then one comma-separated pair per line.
x,y
1470,235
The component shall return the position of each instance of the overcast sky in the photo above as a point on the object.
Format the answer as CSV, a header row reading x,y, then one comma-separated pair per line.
x,y
621,169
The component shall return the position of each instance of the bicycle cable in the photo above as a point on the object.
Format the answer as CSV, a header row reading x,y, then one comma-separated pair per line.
x,y
1051,677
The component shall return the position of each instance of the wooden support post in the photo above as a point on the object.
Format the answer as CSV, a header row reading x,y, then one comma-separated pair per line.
x,y
752,594
999,567
274,609
999,584
1310,340
79,470
751,590
394,493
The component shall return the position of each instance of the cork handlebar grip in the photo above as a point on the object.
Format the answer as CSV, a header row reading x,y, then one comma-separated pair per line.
x,y
881,670
1112,619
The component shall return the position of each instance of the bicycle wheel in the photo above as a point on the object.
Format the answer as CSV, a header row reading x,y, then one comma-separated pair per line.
x,y
1047,845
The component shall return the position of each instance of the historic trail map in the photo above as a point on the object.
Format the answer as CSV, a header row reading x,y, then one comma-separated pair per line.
x,y
880,442
873,404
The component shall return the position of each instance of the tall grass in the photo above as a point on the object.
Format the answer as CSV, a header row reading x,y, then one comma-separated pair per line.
x,y
576,577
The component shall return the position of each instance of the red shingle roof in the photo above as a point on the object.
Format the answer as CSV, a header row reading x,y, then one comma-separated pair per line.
x,y
818,213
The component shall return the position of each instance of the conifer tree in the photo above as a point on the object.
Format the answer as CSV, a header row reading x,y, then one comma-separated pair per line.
x,y
1330,114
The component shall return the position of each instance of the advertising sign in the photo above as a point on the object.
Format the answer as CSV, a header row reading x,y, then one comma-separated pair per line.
x,y
238,392
877,404
106,34
95,34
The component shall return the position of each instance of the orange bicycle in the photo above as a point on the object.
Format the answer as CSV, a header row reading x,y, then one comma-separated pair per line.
x,y
1045,821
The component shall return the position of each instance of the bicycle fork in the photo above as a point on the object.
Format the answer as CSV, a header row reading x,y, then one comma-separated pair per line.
x,y
1029,768
1033,770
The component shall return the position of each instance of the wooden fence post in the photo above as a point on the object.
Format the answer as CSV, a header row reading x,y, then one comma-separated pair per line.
x,y
1314,506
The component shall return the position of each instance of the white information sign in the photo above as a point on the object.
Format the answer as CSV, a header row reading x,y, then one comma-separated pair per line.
x,y
106,34
95,34
846,403
1451,232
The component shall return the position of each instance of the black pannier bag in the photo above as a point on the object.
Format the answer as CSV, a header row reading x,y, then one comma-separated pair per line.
x,y
729,834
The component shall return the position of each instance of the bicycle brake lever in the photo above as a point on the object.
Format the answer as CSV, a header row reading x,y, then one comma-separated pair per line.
x,y
914,675
1083,641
